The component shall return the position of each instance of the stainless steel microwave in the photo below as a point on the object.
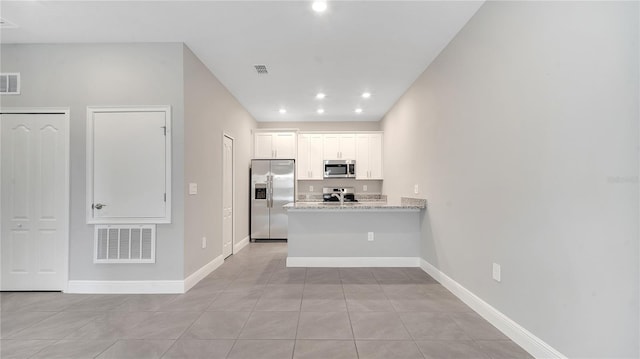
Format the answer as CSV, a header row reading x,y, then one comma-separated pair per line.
x,y
340,169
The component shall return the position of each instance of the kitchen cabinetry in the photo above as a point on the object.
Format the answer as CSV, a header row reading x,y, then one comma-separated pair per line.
x,y
340,146
280,145
369,156
310,156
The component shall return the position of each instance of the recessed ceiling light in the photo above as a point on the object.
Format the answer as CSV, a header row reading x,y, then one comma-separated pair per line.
x,y
358,110
320,95
320,111
319,5
366,94
283,111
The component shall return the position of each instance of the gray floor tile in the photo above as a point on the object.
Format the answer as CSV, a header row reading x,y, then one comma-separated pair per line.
x,y
271,325
236,301
57,326
324,349
110,325
19,349
98,303
217,325
189,302
323,305
330,325
415,305
136,349
451,349
13,322
74,349
476,327
380,325
369,305
278,305
199,349
41,301
145,302
263,349
503,349
288,276
323,291
431,326
323,276
385,349
162,325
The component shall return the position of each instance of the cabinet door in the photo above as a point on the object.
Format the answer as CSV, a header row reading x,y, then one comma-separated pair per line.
x,y
284,145
375,156
303,164
316,166
362,157
331,148
348,147
263,145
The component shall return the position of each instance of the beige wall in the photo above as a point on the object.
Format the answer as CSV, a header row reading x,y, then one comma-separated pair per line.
x,y
324,125
81,75
523,136
210,111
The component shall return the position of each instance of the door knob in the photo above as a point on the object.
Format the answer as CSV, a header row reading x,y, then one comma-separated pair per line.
x,y
98,205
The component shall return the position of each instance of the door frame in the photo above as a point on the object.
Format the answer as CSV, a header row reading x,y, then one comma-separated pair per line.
x,y
66,198
233,191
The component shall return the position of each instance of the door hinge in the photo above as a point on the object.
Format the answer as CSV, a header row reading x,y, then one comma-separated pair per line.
x,y
165,129
165,197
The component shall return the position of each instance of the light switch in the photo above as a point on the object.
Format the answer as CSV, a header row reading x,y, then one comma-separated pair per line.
x,y
193,188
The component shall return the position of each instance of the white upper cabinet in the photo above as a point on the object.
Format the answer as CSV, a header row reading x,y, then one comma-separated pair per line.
x,y
280,145
340,146
369,156
310,156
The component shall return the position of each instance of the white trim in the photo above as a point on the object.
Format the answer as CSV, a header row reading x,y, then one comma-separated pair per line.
x,y
126,286
67,183
527,340
89,170
201,273
353,261
237,247
233,192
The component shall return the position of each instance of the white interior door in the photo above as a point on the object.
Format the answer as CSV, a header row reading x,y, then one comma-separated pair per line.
x,y
35,201
227,196
129,166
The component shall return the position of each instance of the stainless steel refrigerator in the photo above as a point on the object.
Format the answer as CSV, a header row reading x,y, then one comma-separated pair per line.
x,y
272,186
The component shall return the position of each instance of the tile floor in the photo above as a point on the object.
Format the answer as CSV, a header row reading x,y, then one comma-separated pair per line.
x,y
255,307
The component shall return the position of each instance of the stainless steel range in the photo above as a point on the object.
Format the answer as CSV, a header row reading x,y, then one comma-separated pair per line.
x,y
331,194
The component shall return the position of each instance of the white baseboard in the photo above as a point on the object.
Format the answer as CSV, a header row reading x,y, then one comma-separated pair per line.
x,y
353,261
529,342
125,286
204,271
237,247
143,286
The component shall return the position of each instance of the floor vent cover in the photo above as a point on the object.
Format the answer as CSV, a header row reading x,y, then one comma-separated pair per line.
x,y
125,244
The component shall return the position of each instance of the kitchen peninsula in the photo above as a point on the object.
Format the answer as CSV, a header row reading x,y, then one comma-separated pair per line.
x,y
361,234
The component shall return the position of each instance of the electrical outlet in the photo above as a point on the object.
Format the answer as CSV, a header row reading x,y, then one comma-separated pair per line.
x,y
370,236
193,188
310,188
364,188
204,242
496,272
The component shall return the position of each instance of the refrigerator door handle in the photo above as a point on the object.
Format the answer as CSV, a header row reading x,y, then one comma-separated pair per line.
x,y
269,191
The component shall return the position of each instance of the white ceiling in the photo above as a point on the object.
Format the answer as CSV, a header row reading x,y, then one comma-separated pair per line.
x,y
355,46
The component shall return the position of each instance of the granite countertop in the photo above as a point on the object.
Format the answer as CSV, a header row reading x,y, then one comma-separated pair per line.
x,y
404,203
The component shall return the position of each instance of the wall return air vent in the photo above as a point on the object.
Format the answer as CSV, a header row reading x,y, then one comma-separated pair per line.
x,y
9,83
125,244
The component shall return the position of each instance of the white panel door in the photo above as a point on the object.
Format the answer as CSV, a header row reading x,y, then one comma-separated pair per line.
x,y
227,196
129,166
35,201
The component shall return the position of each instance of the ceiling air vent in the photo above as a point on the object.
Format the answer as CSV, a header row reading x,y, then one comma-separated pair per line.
x,y
261,69
9,83
6,24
